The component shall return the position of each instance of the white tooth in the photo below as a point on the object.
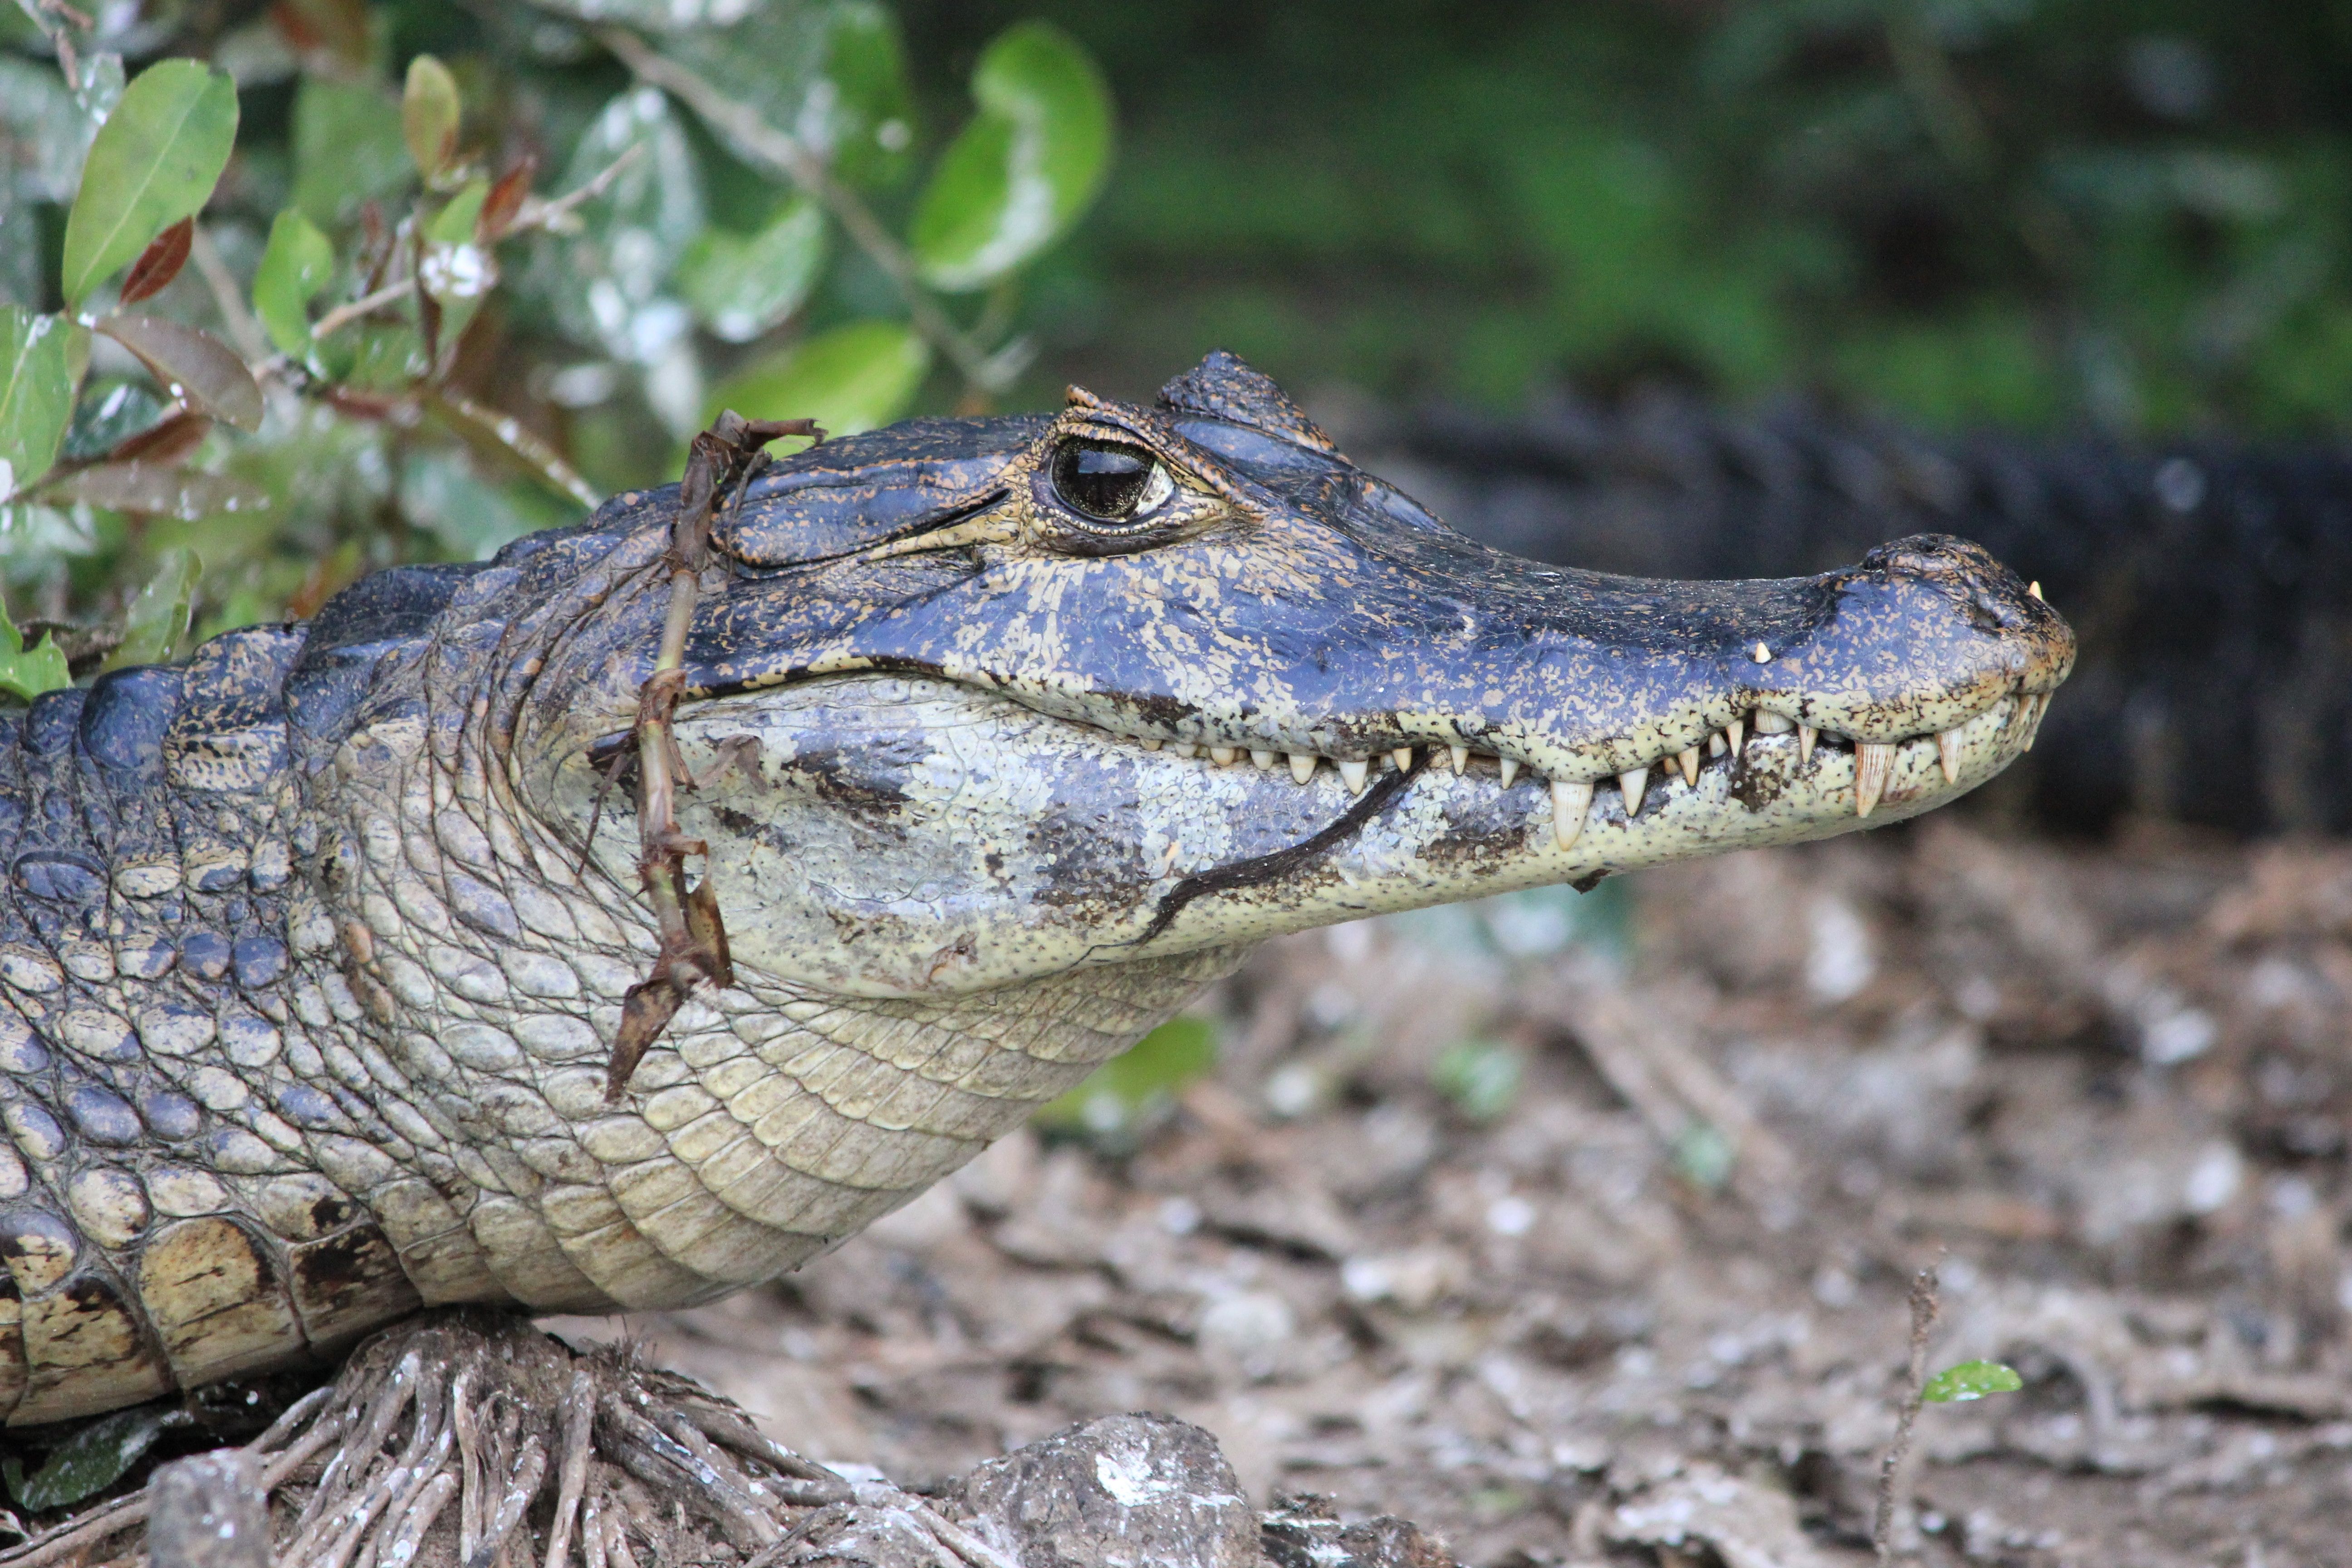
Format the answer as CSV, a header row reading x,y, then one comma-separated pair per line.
x,y
1184,748
1806,736
1760,654
1403,758
1947,751
1770,724
1688,762
1149,744
1352,775
1461,756
1630,784
1224,756
1261,760
2034,588
1873,760
1714,743
1302,766
1735,732
1510,770
1570,799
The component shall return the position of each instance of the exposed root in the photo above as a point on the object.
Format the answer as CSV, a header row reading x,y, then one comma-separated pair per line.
x,y
468,1440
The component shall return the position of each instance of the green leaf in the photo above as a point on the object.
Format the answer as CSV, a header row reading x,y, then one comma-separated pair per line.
x,y
203,371
101,1453
158,491
347,149
1015,178
36,387
295,266
429,112
1970,1380
741,285
832,72
27,673
850,379
155,161
1124,1090
157,620
454,224
608,281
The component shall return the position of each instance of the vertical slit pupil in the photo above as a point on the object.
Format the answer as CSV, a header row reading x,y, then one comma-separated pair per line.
x,y
1102,481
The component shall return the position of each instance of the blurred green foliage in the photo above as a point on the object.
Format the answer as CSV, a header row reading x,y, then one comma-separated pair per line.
x,y
290,293
1121,1098
2127,214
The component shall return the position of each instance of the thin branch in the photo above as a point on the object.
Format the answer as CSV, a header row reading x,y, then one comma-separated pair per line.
x,y
1926,1306
788,156
242,330
342,316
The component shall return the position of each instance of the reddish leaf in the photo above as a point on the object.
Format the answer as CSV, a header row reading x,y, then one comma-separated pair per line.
x,y
163,444
505,200
337,27
160,262
200,370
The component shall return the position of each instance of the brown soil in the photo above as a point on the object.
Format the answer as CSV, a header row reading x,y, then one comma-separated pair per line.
x,y
1662,1292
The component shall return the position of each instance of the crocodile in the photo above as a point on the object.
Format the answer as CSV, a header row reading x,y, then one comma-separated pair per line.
x,y
1007,735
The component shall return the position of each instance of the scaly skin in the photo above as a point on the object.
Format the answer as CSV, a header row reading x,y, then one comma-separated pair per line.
x,y
310,970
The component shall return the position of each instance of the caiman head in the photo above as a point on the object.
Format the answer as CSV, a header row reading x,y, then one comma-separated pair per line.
x,y
1007,734
980,701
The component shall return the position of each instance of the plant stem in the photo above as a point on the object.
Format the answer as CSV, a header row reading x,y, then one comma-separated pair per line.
x,y
1926,1306
788,156
544,462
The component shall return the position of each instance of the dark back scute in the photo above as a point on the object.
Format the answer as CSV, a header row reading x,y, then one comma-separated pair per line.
x,y
127,714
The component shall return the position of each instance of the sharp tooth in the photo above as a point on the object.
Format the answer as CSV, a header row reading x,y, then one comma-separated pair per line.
x,y
1261,760
1149,744
1302,766
1352,775
1184,748
1570,799
1806,736
1630,784
1716,746
1461,756
1735,732
1224,756
1770,724
1403,758
2034,588
1872,762
1688,762
1947,751
1510,770
1760,654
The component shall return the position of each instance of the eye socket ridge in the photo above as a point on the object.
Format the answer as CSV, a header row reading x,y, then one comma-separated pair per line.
x,y
1107,481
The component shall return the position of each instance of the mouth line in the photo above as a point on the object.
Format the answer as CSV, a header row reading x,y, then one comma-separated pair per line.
x,y
1873,762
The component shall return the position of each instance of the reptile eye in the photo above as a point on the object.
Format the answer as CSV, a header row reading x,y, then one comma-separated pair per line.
x,y
1110,481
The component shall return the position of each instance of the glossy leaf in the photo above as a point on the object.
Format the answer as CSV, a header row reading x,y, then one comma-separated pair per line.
x,y
36,388
295,265
349,149
27,673
154,162
1970,1380
203,371
1015,178
48,131
455,222
611,281
853,378
832,73
159,489
98,1455
160,262
429,113
741,285
156,622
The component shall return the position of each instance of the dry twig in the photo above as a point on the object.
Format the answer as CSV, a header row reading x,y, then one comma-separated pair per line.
x,y
1926,1306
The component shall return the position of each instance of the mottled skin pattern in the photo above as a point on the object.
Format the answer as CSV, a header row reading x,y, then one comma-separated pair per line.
x,y
309,974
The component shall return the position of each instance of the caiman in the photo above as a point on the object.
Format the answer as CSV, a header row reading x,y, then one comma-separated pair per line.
x,y
1008,735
